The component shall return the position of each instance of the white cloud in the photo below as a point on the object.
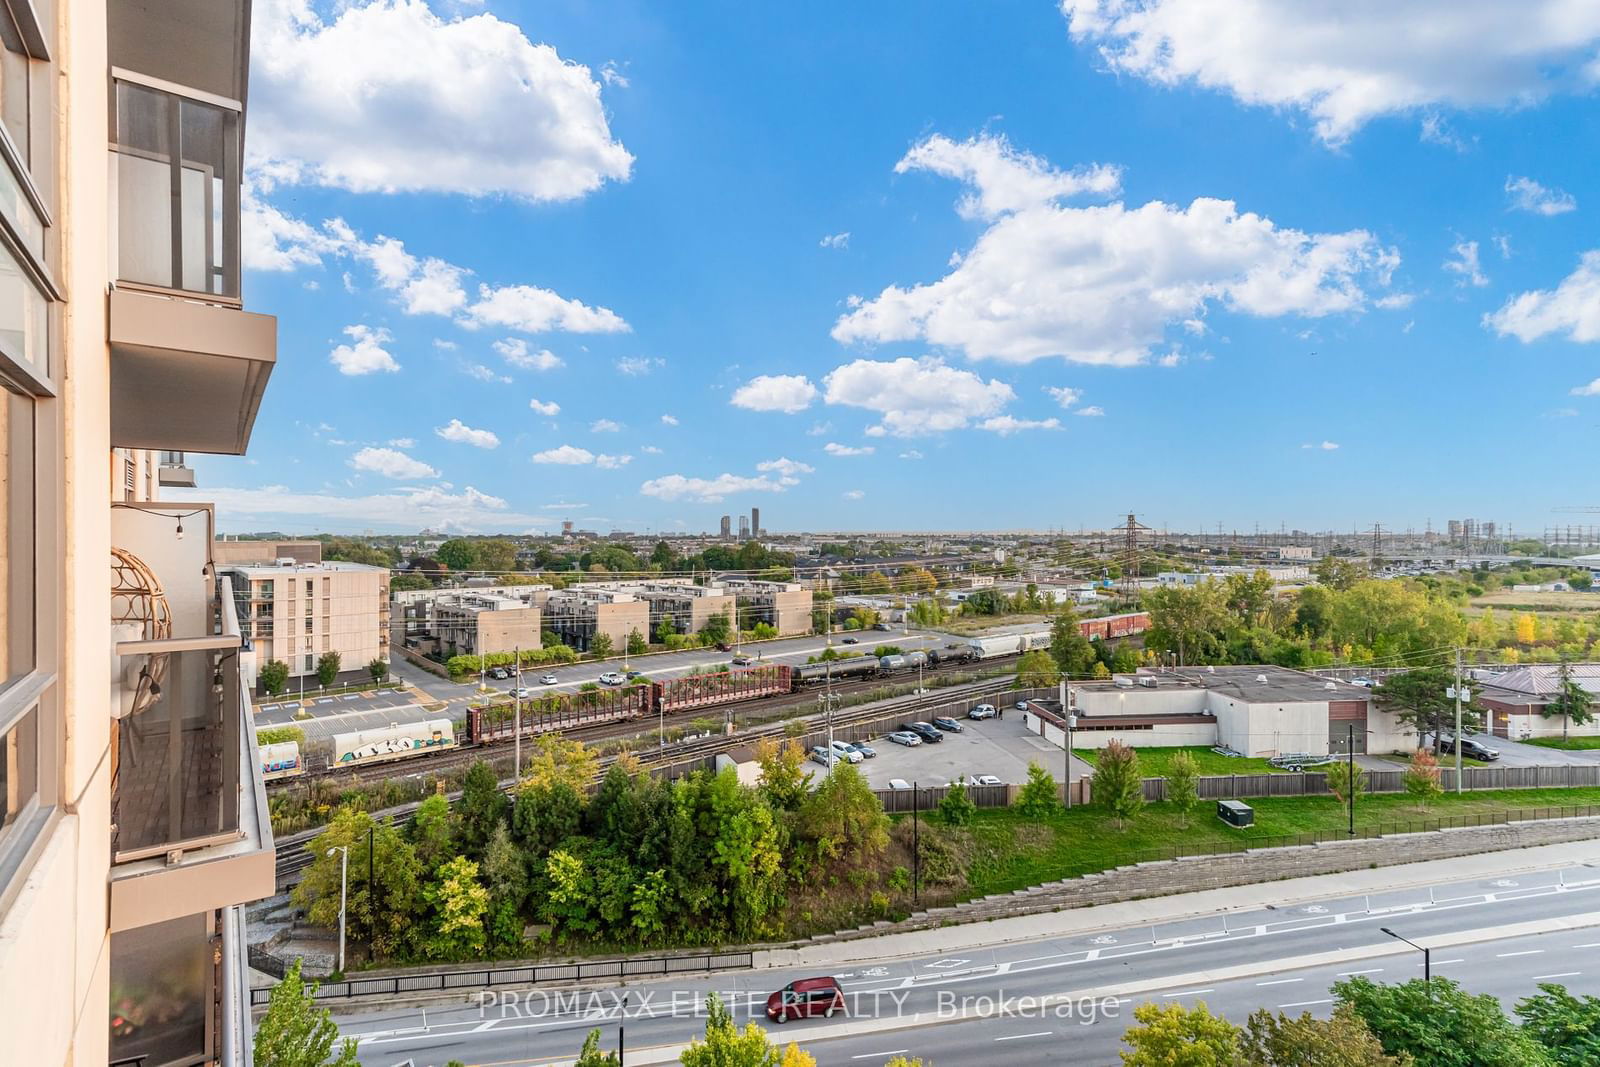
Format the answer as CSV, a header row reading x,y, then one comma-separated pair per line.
x,y
1006,425
853,494
1395,301
271,240
650,450
611,463
604,426
706,490
366,354
562,507
787,470
1064,396
401,510
403,442
1463,261
1502,244
534,310
611,74
1592,389
669,420
1571,308
572,456
1346,64
391,463
386,96
1171,359
834,448
819,429
636,366
916,396
1103,284
1093,411
1001,178
517,352
788,393
1326,446
836,240
484,374
1435,130
1528,195
544,407
911,453
461,433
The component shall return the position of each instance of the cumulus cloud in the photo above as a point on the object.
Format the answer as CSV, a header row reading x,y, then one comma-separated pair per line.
x,y
916,396
1093,411
391,463
1002,179
911,453
611,463
1064,396
386,96
401,510
1592,389
572,456
853,494
1347,64
1571,309
365,353
1103,284
403,442
637,366
834,448
544,407
461,433
836,240
517,352
707,490
1006,425
1463,262
787,470
669,420
604,426
1326,446
1526,194
788,393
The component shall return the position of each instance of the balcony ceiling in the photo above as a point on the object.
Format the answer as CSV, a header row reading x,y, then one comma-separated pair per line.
x,y
203,44
186,376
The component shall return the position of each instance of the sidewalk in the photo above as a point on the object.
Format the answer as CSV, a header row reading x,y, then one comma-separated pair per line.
x,y
1156,910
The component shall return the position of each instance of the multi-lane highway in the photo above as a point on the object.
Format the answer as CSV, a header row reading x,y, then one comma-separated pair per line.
x,y
1059,1000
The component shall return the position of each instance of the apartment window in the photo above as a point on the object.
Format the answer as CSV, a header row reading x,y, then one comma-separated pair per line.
x,y
15,90
309,594
310,665
308,624
17,466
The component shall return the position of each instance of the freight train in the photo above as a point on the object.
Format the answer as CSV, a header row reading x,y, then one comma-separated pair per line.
x,y
393,742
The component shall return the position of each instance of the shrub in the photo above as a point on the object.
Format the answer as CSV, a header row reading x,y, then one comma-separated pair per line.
x,y
957,809
277,735
1038,796
1118,784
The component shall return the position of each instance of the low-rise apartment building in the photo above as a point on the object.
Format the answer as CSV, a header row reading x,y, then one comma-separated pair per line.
x,y
235,553
576,615
785,605
297,612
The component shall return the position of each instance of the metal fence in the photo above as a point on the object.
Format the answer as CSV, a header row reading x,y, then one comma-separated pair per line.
x,y
586,970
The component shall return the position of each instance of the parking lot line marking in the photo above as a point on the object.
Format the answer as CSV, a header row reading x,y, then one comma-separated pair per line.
x,y
880,1055
1019,1037
1188,992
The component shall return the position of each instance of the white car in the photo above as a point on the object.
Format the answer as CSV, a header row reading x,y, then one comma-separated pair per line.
x,y
905,737
523,694
611,678
548,679
847,752
899,783
983,779
982,711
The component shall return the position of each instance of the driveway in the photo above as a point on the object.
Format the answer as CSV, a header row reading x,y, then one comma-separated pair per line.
x,y
1516,754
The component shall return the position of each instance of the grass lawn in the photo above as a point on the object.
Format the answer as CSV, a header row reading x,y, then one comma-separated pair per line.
x,y
1571,744
1004,851
1155,762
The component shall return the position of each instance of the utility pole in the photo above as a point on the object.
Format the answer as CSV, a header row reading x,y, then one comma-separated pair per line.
x,y
916,853
1066,740
516,726
1350,755
344,885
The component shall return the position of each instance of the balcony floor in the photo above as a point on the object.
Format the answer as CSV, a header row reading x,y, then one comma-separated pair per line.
x,y
141,801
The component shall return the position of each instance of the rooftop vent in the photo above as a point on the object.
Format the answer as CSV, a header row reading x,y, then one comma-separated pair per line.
x,y
1329,685
1123,682
1147,680
1261,678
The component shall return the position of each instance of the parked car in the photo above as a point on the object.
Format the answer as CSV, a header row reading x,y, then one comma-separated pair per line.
x,y
548,679
499,674
1365,683
944,722
1022,705
804,998
723,646
742,661
823,756
924,730
983,779
867,751
849,641
523,693
847,752
899,783
631,675
881,626
1469,748
611,678
982,711
909,738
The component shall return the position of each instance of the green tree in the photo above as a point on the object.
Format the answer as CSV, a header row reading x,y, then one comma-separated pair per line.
x,y
636,643
957,808
784,778
385,904
545,814
1037,797
1189,620
482,807
294,1032
496,555
1439,1025
401,583
458,904
1339,572
431,833
327,668
665,630
717,629
1568,1026
378,668
1346,780
1118,782
1183,785
1571,701
1171,1035
590,1055
277,735
600,646
1073,653
458,554
1422,777
1418,701
844,817
274,676
505,875
725,1045
1341,1041
1037,670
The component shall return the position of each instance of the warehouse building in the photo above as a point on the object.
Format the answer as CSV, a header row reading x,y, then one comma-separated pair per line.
x,y
1515,701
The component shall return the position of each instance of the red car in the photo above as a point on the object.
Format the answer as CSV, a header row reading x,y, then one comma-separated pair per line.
x,y
805,998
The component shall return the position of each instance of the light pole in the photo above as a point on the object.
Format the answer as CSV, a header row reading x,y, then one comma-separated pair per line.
x,y
622,1030
516,724
1427,959
344,870
1350,752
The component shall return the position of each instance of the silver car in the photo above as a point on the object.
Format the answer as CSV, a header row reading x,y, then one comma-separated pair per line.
x,y
823,756
905,737
982,711
847,752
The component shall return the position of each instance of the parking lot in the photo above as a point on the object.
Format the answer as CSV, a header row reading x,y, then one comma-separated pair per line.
x,y
1000,747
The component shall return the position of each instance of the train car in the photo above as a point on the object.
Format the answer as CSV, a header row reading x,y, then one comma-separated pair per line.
x,y
487,725
393,742
731,686
908,661
280,760
818,673
951,654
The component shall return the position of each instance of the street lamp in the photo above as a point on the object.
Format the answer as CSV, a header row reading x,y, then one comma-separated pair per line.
x,y
1427,959
622,1030
344,883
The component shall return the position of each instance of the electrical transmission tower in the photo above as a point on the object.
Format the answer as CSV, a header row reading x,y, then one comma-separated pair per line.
x,y
1130,556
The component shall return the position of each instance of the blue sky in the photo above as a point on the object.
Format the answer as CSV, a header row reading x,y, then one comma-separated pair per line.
x,y
908,266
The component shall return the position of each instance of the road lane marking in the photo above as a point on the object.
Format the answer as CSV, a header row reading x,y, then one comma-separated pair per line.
x,y
1188,993
1547,977
1019,1037
880,1055
1307,1003
1369,970
1441,963
1524,952
1281,981
1590,944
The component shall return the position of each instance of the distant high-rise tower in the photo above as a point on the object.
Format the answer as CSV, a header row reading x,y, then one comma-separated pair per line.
x,y
744,527
727,527
755,522
566,527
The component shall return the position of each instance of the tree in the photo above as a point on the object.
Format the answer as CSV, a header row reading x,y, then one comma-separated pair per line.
x,y
1188,620
558,759
1171,1035
844,816
1073,653
1038,795
294,1032
717,629
459,904
1418,700
784,778
274,676
636,643
1438,1024
1118,784
505,875
378,668
1037,670
1571,701
665,630
1346,780
482,808
590,1055
1525,627
401,583
725,1045
1581,580
1422,777
277,735
1342,1041
496,555
431,833
1568,1026
386,904
1183,784
1338,572
956,809
327,668
458,554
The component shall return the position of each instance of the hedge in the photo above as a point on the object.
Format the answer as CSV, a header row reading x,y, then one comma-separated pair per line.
x,y
277,735
532,657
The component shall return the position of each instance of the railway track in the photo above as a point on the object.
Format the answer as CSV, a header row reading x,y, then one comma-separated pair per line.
x,y
293,857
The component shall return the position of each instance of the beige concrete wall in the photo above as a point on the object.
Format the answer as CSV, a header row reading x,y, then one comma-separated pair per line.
x,y
793,611
616,620
244,553
507,631
348,616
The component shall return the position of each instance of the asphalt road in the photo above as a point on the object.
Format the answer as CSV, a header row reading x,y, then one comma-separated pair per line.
x,y
945,1008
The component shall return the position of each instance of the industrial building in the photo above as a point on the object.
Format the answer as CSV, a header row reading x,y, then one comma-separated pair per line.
x,y
1516,701
297,612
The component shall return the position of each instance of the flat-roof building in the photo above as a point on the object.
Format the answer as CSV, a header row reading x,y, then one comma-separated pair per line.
x,y
298,612
576,615
785,605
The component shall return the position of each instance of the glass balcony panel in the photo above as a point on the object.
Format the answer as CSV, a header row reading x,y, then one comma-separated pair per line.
x,y
160,993
19,770
16,536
